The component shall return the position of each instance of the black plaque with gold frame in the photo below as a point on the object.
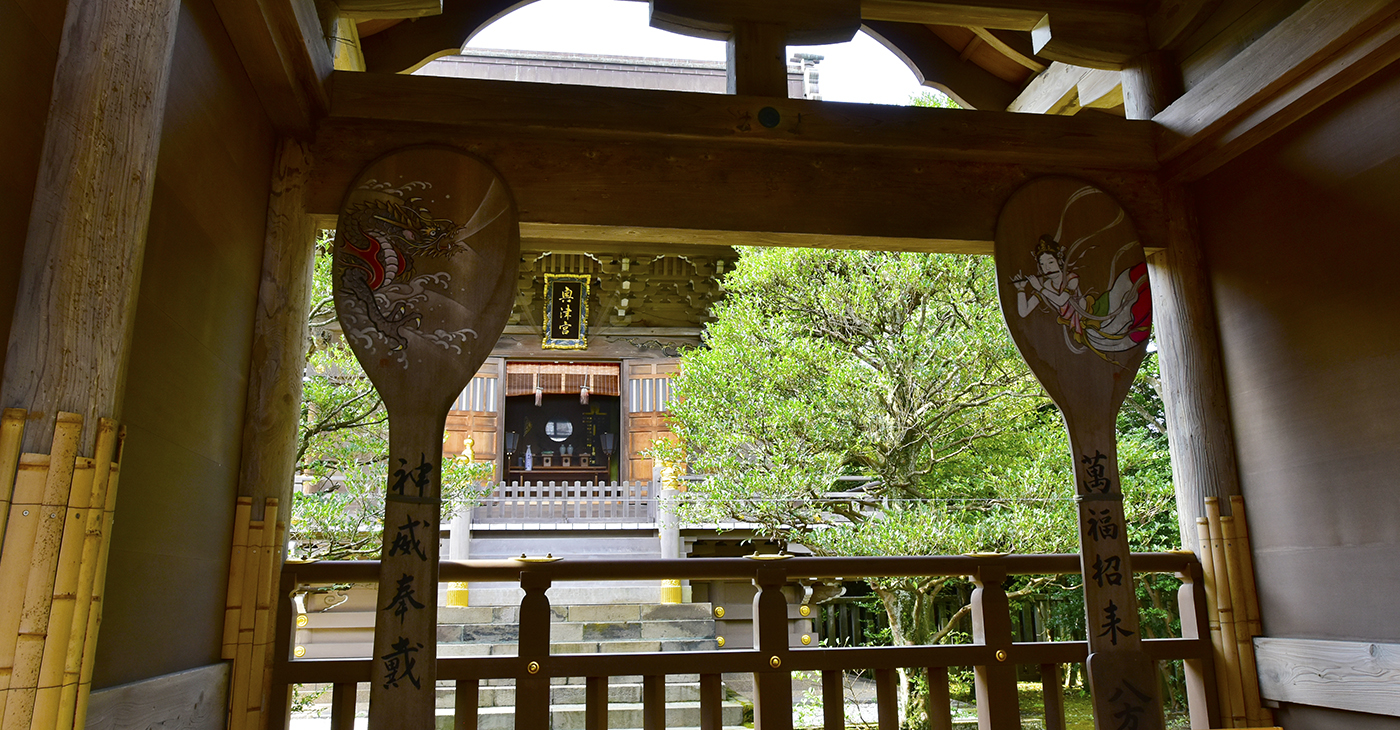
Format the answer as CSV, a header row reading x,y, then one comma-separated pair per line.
x,y
566,312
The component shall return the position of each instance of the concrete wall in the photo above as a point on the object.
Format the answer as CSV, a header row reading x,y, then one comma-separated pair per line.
x,y
1302,237
187,379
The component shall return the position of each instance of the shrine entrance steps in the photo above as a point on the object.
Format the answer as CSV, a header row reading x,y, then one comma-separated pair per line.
x,y
578,629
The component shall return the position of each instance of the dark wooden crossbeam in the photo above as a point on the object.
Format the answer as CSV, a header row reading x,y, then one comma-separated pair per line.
x,y
825,173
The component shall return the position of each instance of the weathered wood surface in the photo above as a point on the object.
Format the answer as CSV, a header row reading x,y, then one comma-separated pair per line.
x,y
1064,89
189,700
1313,55
1073,285
279,337
937,64
642,239
1345,675
803,22
426,253
372,9
1150,82
285,54
1193,380
87,229
756,59
621,157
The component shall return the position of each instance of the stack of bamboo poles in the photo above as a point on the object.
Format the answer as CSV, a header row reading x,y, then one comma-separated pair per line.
x,y
1232,605
252,580
56,513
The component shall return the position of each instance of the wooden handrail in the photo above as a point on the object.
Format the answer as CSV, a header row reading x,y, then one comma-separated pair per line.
x,y
773,660
367,571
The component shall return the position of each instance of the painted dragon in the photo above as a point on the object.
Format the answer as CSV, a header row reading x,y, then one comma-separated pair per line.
x,y
384,236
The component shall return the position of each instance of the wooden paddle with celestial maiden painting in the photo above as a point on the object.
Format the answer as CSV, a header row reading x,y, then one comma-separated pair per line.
x,y
427,252
1073,285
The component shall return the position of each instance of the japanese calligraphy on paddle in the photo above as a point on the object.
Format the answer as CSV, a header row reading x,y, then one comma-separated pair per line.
x,y
427,250
1073,286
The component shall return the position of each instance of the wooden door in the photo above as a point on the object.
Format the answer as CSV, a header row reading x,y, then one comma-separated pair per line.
x,y
646,403
477,413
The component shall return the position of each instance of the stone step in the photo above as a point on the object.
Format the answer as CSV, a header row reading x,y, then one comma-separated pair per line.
x,y
621,716
490,695
500,545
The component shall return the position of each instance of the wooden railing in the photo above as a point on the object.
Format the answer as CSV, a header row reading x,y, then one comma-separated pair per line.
x,y
994,656
567,503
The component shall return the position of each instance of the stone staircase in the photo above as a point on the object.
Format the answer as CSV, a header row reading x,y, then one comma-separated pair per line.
x,y
574,629
576,546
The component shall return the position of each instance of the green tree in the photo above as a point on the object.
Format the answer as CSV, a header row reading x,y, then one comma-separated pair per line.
x,y
822,364
343,444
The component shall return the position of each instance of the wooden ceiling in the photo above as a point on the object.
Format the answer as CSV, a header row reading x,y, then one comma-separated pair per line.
x,y
980,51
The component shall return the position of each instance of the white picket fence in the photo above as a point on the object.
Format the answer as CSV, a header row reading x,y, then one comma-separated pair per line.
x,y
580,502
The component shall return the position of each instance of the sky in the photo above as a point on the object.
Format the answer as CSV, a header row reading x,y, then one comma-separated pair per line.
x,y
859,71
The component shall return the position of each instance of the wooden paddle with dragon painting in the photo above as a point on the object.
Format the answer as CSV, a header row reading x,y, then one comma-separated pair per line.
x,y
427,251
1073,286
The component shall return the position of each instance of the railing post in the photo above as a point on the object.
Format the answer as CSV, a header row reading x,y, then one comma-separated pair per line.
x,y
279,697
998,707
887,699
772,708
532,687
938,705
464,713
1201,697
1054,695
595,708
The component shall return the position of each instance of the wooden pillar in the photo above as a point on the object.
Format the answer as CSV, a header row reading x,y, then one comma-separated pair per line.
x,y
1193,383
757,59
87,228
279,336
1150,83
1188,343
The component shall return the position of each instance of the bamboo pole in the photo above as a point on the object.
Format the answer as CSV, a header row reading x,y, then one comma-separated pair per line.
x,y
1225,610
11,433
43,567
1251,590
242,513
238,690
87,572
270,642
49,684
257,663
99,582
30,476
1206,555
1249,672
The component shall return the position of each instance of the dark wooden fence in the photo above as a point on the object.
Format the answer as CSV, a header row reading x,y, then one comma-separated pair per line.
x,y
995,656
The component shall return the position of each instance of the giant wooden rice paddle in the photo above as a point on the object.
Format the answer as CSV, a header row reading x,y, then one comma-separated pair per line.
x,y
1073,286
426,254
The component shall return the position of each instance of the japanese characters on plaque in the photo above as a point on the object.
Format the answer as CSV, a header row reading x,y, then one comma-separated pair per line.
x,y
565,312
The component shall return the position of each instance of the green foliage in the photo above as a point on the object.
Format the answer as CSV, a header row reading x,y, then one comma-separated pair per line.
x,y
343,445
933,98
823,364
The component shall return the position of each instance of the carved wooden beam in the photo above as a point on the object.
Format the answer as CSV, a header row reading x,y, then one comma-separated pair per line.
x,y
1077,32
936,64
1308,59
670,160
285,53
758,33
379,9
1065,89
